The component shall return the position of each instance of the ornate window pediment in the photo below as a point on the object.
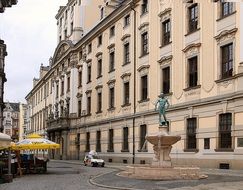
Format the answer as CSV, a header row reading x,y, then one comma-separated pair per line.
x,y
143,70
99,55
88,92
226,35
79,95
61,50
126,77
165,60
143,27
164,15
192,49
111,47
126,38
111,83
99,88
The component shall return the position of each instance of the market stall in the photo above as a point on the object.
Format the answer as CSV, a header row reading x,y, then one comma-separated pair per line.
x,y
5,162
33,144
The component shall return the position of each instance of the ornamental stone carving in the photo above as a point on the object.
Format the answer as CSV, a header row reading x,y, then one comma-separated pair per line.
x,y
73,60
111,83
164,15
192,49
126,38
126,77
61,51
143,70
165,60
143,27
226,35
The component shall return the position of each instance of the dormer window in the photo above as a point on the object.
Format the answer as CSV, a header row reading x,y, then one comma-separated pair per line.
x,y
126,20
66,15
90,48
102,13
112,31
71,26
100,40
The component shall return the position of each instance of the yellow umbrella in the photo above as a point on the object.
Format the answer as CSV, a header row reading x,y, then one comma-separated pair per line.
x,y
35,142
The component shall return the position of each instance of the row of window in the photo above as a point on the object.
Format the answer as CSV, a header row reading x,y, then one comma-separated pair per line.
x,y
41,94
126,50
144,9
224,140
111,101
62,87
193,17
110,148
226,71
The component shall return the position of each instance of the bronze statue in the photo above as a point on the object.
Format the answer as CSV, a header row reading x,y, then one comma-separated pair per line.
x,y
161,106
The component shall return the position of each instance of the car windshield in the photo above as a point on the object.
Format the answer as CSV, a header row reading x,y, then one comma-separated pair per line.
x,y
96,157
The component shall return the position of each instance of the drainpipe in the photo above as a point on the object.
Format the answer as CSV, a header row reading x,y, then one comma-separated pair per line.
x,y
133,3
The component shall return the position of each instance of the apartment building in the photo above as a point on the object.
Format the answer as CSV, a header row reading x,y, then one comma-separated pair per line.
x,y
105,85
11,120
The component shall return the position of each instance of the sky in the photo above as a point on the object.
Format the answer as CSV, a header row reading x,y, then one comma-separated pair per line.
x,y
30,33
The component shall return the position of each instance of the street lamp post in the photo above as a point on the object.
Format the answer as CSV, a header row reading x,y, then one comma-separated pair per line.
x,y
133,4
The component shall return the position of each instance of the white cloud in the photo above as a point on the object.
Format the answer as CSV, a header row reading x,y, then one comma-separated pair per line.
x,y
29,30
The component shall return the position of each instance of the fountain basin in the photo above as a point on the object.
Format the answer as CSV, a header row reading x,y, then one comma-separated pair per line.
x,y
157,173
162,138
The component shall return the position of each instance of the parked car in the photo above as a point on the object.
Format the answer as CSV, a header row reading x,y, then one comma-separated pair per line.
x,y
93,160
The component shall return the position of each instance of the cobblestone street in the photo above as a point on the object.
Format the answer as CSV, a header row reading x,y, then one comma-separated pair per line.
x,y
71,175
60,176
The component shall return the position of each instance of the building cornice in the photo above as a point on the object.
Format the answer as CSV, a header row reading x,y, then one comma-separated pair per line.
x,y
63,8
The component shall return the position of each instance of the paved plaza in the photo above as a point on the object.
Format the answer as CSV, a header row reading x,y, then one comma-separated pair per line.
x,y
71,175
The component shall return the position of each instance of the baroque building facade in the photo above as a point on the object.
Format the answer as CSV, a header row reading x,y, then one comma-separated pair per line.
x,y
104,81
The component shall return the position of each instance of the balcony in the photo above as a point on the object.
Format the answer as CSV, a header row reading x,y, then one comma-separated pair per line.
x,y
61,123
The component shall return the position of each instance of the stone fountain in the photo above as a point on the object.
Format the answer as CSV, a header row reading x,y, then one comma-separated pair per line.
x,y
161,167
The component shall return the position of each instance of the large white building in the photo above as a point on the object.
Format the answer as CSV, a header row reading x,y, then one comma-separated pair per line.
x,y
114,58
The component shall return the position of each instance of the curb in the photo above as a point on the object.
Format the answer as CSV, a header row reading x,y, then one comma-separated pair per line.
x,y
92,178
67,162
117,167
91,181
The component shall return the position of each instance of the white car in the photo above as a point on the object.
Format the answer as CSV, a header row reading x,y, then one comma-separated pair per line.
x,y
93,160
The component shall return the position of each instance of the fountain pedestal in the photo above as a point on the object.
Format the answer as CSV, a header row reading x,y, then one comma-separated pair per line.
x,y
161,167
162,142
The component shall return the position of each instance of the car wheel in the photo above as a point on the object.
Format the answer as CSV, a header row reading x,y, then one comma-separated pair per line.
x,y
103,165
92,164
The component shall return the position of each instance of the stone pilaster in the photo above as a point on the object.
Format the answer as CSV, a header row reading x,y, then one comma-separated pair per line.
x,y
65,145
